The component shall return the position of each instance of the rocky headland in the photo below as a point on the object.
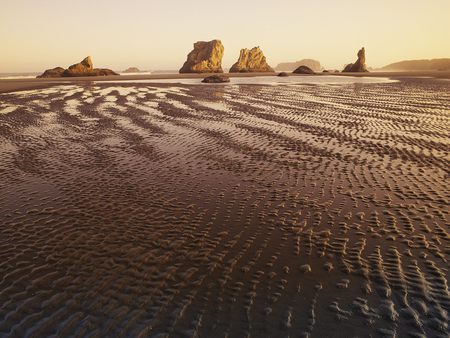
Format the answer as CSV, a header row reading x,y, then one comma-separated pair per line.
x,y
419,65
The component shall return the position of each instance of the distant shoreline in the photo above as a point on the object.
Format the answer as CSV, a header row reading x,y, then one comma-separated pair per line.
x,y
12,85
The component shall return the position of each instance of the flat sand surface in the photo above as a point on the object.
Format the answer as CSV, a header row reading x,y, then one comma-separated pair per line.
x,y
242,210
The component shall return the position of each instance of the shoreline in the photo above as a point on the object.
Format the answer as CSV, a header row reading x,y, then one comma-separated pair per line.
x,y
13,85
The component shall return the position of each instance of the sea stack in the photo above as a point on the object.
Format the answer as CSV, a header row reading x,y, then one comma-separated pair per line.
x,y
360,65
252,60
83,68
206,57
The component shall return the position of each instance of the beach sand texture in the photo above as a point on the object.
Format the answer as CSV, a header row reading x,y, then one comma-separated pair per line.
x,y
136,209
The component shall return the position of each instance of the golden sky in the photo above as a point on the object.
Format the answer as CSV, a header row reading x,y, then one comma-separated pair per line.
x,y
157,34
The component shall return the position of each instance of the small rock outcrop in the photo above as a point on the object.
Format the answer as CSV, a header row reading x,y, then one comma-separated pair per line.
x,y
206,57
303,70
101,72
216,79
360,65
251,60
54,72
283,74
83,68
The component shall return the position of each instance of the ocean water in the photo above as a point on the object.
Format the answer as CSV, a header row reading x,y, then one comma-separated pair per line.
x,y
8,76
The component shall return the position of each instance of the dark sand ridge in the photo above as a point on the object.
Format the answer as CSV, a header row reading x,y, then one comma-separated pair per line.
x,y
9,85
140,209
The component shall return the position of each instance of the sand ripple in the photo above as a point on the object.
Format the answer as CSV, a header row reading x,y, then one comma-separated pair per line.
x,y
225,211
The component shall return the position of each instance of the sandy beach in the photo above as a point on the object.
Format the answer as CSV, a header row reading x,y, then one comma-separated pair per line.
x,y
241,210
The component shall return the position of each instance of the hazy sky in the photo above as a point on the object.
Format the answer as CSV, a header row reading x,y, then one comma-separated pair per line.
x,y
157,34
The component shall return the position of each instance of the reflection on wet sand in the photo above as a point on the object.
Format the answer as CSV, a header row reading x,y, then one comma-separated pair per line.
x,y
139,209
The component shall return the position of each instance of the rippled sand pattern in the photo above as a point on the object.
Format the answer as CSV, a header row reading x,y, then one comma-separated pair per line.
x,y
225,211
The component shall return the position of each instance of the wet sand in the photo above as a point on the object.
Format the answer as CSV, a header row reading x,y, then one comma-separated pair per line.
x,y
300,210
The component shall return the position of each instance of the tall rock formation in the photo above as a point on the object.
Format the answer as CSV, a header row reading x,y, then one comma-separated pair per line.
x,y
206,57
252,60
360,65
83,68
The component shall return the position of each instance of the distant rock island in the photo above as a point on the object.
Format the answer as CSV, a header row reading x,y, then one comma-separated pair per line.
x,y
251,60
360,65
412,65
291,66
132,70
83,68
206,57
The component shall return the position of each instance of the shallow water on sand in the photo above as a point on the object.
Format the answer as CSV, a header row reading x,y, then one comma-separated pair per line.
x,y
140,209
268,80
